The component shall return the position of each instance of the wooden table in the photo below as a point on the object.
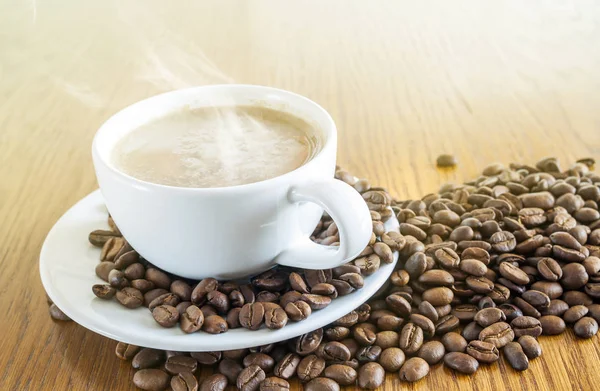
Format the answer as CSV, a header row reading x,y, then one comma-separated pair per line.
x,y
404,80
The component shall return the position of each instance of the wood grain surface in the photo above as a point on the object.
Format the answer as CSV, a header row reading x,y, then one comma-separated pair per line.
x,y
404,80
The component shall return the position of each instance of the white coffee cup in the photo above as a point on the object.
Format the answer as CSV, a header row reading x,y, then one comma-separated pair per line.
x,y
236,231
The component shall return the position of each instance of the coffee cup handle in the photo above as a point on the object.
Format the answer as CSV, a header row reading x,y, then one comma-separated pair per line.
x,y
349,212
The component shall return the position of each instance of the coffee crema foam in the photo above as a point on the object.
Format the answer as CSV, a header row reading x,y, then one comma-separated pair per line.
x,y
216,147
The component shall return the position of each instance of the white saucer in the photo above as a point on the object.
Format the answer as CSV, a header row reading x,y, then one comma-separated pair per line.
x,y
67,268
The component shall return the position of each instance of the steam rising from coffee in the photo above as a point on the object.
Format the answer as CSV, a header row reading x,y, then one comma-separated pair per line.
x,y
118,52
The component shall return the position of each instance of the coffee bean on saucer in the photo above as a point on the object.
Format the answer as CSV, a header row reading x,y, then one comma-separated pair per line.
x,y
116,279
99,237
165,315
135,271
103,269
275,318
144,286
122,261
104,291
130,297
111,248
158,277
216,382
151,379
298,310
182,289
184,381
214,324
164,299
252,316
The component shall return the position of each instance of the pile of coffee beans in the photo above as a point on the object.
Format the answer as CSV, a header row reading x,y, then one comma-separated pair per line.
x,y
485,268
271,299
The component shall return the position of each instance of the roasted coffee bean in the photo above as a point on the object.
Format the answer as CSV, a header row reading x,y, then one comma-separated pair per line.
x,y
503,241
165,315
552,289
436,277
199,293
391,359
574,276
158,277
537,299
310,367
179,364
387,339
489,316
184,381
104,291
513,273
111,248
498,334
231,369
510,311
527,308
371,376
416,264
411,338
484,352
250,378
337,333
309,342
425,308
473,267
454,342
117,280
575,313
103,269
398,304
287,366
389,323
471,331
438,296
274,383
214,324
567,255
275,318
298,311
181,289
252,316
192,319
342,374
316,302
526,325
368,353
447,257
264,361
530,346
549,269
164,299
126,259
322,384
424,323
216,382
445,324
334,351
515,356
151,379
147,358
414,369
586,327
235,354
135,271
207,358
130,297
556,307
126,351
577,298
552,325
144,286
461,362
432,352
99,237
